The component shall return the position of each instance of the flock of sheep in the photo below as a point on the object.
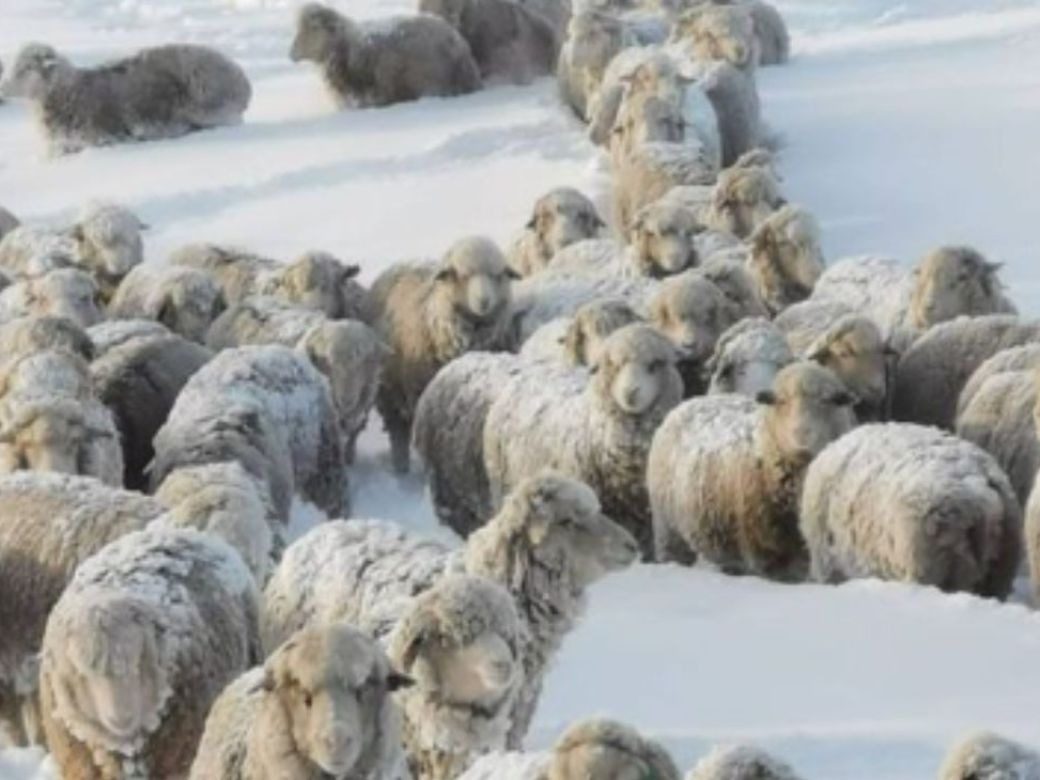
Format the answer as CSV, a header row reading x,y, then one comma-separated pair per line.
x,y
695,384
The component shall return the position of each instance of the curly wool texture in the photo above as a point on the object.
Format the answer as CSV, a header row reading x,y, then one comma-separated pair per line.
x,y
719,32
786,259
193,603
28,251
114,333
1021,358
804,322
560,218
183,299
747,357
985,756
914,504
25,335
61,292
576,341
593,39
261,320
741,762
876,286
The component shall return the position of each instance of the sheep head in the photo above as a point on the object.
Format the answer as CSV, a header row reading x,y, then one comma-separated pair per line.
x,y
108,239
748,357
591,325
807,408
646,118
314,281
719,32
736,283
319,31
855,351
786,258
45,433
188,303
333,683
605,750
635,374
68,293
952,281
36,68
594,37
692,313
37,333
744,198
662,239
475,278
563,217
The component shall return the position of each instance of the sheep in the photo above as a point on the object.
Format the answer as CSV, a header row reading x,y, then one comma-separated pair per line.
x,y
261,320
144,638
185,300
547,544
740,762
741,201
160,92
1021,358
852,347
62,292
985,756
114,333
785,258
724,472
388,61
8,221
36,333
747,358
594,428
930,374
736,283
906,502
575,341
510,42
804,322
774,41
719,32
320,706
591,748
560,218
139,382
299,402
593,39
429,314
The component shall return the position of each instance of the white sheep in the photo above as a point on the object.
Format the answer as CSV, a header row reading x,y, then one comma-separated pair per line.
x,y
320,706
910,503
429,314
160,92
185,300
114,333
733,278
740,762
594,428
593,39
804,322
62,292
386,61
724,473
785,257
575,341
741,201
144,638
1021,358
560,217
719,32
986,756
747,358
37,333
261,320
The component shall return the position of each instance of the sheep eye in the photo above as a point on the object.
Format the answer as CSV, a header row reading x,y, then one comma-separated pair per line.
x,y
308,700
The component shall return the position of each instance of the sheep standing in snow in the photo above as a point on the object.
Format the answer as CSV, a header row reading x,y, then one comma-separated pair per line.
x,y
510,42
740,762
985,756
724,475
747,358
160,92
596,429
185,300
144,638
430,314
910,503
319,707
388,61
593,39
575,341
560,218
63,292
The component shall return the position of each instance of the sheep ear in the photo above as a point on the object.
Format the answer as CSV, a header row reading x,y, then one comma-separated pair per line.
x,y
766,398
446,275
396,681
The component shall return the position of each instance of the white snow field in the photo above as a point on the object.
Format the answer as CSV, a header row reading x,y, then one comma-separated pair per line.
x,y
904,124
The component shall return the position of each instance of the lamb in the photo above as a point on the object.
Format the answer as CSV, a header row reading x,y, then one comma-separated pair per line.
x,y
299,402
985,756
185,300
575,341
160,92
560,218
719,32
591,748
547,544
747,358
593,39
23,336
594,428
8,221
320,706
930,374
741,762
429,314
144,638
139,382
390,61
724,474
114,333
910,503
63,292
510,43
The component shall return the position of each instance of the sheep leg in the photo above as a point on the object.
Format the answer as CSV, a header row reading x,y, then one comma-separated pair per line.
x,y
400,444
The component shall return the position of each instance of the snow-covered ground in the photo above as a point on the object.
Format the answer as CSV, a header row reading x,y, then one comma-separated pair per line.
x,y
905,124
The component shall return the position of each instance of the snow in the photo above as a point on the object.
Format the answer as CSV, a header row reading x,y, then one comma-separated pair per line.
x,y
905,124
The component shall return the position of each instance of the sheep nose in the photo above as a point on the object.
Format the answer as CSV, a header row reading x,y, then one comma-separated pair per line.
x,y
338,741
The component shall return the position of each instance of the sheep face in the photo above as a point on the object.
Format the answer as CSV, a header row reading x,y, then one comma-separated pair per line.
x,y
662,237
807,408
50,437
35,69
716,32
786,258
108,238
190,304
67,293
479,673
854,350
477,279
951,281
591,325
692,312
333,683
319,30
646,119
315,281
745,377
563,217
636,371
744,198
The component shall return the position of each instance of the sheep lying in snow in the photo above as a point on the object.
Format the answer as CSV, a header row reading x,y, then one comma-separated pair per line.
x,y
740,762
299,402
561,217
724,475
139,382
510,43
183,299
575,341
592,748
594,428
63,292
160,92
430,314
319,707
8,222
593,39
144,638
911,503
985,756
747,358
931,373
387,61
37,333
